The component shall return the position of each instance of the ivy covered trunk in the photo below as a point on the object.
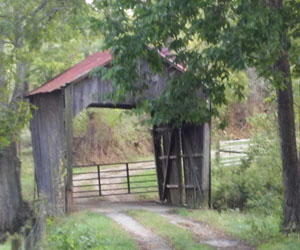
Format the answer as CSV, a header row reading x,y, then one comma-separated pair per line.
x,y
290,164
13,210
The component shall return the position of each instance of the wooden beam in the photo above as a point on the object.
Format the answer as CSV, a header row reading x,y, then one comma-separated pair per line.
x,y
172,157
176,186
111,105
156,142
179,166
68,134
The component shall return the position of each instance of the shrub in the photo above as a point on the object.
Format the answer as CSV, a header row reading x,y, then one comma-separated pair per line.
x,y
257,183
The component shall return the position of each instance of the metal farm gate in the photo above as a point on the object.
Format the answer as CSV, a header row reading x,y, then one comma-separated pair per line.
x,y
114,179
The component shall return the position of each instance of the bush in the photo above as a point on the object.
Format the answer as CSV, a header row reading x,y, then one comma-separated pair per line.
x,y
257,183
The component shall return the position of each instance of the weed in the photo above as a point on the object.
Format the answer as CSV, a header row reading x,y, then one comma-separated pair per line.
x,y
86,230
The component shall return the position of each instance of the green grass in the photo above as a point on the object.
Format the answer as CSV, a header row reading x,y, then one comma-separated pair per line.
x,y
86,230
149,181
282,243
178,237
27,166
149,157
5,246
27,174
259,230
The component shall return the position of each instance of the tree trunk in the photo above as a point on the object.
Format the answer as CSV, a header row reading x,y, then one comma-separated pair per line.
x,y
290,164
2,74
13,211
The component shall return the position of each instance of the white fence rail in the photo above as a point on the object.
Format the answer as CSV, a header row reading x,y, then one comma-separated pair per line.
x,y
230,153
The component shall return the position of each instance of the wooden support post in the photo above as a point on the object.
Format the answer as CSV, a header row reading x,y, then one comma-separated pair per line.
x,y
69,197
99,180
218,152
177,152
128,180
68,134
167,166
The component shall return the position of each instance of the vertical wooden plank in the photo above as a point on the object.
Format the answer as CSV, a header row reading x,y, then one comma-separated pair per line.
x,y
206,173
99,180
188,176
172,194
192,137
68,139
177,153
166,139
157,149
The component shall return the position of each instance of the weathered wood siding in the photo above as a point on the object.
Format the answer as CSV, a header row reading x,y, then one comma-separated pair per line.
x,y
184,150
48,144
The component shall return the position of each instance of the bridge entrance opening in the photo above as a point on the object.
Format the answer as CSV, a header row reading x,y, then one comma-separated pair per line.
x,y
112,156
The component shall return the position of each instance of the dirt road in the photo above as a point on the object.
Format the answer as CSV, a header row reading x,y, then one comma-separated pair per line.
x,y
116,206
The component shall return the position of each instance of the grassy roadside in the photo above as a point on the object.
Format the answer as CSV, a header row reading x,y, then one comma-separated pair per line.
x,y
258,230
86,230
5,246
27,174
178,237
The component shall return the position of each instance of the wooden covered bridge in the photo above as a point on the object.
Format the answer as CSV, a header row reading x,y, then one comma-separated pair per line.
x,y
182,155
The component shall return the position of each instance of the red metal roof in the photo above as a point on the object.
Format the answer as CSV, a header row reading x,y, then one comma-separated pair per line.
x,y
74,73
83,68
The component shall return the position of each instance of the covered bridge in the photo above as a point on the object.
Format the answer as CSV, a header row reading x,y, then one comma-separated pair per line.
x,y
182,155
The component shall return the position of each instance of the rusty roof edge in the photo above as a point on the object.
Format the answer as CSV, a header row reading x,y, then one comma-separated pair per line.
x,y
37,88
80,77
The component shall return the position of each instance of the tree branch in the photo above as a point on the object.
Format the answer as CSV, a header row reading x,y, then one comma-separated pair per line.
x,y
40,7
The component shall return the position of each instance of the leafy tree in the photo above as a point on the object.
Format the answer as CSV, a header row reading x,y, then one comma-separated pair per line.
x,y
27,29
231,36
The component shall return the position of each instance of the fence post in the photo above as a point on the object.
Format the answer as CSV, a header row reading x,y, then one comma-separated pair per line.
x,y
99,181
218,152
27,242
128,181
